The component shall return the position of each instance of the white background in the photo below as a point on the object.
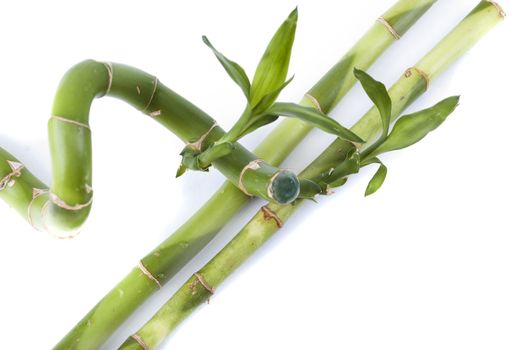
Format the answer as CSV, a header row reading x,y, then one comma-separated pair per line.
x,y
435,260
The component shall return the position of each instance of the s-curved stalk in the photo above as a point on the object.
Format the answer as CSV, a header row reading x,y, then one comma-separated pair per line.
x,y
64,207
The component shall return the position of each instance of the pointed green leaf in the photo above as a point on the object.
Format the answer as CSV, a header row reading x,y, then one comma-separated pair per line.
x,y
272,69
234,70
377,180
269,99
351,165
378,94
309,189
338,183
181,170
411,128
314,117
258,122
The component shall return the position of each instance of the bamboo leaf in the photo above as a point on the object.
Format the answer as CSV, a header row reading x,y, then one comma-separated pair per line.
x,y
309,189
378,178
269,99
338,183
272,69
351,165
257,123
411,128
378,94
181,170
234,70
314,117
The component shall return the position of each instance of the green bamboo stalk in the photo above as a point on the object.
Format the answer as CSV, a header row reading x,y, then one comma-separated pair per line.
x,y
201,286
170,256
62,209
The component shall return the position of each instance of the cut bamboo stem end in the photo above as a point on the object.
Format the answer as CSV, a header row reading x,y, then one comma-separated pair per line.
x,y
389,27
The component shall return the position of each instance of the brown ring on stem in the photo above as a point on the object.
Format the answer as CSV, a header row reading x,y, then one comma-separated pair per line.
x,y
499,8
198,144
204,283
109,68
59,202
155,83
408,73
268,214
253,165
16,170
314,102
139,341
148,274
37,192
74,122
389,27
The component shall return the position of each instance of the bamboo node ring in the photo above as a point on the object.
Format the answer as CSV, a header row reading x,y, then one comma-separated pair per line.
x,y
408,73
59,202
389,27
198,144
204,283
314,102
253,165
69,121
148,274
139,341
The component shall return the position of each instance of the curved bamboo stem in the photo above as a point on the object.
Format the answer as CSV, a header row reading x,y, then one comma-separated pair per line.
x,y
271,217
171,255
63,208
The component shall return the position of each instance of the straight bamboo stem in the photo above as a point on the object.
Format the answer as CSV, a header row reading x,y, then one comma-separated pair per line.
x,y
414,82
170,256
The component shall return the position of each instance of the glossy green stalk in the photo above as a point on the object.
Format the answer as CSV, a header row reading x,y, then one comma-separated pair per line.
x,y
171,255
64,207
199,288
